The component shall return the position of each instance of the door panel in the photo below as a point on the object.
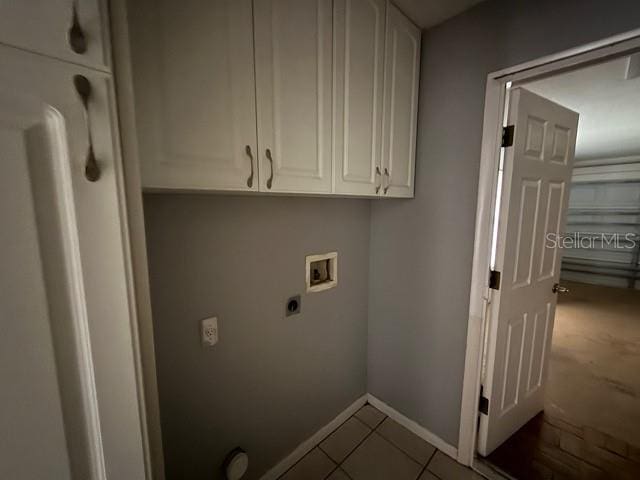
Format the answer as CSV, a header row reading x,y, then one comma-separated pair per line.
x,y
69,407
534,203
555,201
195,93
402,69
294,90
527,219
42,26
30,406
539,333
359,74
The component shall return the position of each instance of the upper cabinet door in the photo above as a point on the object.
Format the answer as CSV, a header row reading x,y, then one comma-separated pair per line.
x,y
194,92
359,73
402,69
70,30
294,88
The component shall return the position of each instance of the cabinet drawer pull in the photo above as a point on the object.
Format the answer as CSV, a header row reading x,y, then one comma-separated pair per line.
x,y
247,149
77,39
83,88
377,175
270,179
386,173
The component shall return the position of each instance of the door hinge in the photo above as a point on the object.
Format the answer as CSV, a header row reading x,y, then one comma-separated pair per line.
x,y
494,279
507,135
483,405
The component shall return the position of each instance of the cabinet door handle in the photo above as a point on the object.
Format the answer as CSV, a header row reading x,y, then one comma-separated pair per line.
x,y
270,179
83,88
247,150
77,38
377,175
386,174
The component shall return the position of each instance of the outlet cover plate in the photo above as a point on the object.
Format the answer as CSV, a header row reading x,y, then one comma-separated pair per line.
x,y
209,331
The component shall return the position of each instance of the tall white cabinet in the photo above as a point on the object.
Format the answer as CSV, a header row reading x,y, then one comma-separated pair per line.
x,y
285,96
69,407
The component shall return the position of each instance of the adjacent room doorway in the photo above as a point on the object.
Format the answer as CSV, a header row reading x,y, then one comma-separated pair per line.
x,y
529,376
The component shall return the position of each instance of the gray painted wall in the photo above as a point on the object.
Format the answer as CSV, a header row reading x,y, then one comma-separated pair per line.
x,y
421,249
271,382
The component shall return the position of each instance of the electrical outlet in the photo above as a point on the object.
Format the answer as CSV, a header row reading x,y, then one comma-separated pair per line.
x,y
209,331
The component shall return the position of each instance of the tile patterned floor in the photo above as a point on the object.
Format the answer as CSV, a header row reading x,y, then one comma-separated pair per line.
x,y
371,446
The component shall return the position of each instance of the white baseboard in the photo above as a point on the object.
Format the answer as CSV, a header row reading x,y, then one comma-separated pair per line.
x,y
419,430
309,444
488,471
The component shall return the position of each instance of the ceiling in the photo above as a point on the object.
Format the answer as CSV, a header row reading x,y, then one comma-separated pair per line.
x,y
427,13
608,104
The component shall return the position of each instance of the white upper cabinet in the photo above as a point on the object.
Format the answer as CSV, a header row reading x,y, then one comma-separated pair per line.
x,y
359,35
282,96
293,58
195,93
70,30
401,83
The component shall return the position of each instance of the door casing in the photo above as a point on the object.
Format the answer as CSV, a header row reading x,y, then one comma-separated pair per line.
x,y
493,121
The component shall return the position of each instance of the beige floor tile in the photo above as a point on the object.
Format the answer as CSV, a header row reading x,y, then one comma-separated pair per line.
x,y
370,415
427,475
315,465
345,439
377,459
338,474
446,468
406,441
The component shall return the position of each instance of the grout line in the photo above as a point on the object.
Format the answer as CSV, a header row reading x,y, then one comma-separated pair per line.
x,y
292,466
359,443
425,469
381,421
338,465
336,469
317,445
331,472
399,448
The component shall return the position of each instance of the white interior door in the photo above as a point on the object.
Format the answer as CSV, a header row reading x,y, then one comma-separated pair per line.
x,y
534,203
293,41
68,394
194,82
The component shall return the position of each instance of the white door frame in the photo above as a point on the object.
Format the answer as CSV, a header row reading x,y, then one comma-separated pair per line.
x,y
495,98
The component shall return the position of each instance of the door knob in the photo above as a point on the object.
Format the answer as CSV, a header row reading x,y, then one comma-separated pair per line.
x,y
557,288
